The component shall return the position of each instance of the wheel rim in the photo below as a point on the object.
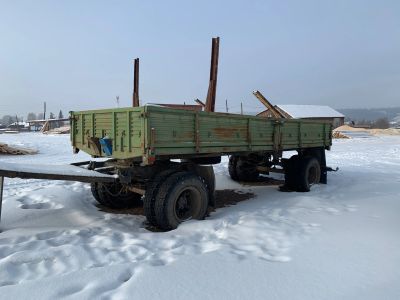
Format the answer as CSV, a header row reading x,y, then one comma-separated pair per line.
x,y
187,204
312,175
115,190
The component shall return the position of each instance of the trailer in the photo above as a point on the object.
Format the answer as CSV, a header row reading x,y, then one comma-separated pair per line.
x,y
162,158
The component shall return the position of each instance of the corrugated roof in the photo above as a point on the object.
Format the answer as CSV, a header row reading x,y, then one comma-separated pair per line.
x,y
310,111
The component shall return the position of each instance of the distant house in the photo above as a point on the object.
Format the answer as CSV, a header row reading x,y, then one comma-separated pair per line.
x,y
19,126
310,112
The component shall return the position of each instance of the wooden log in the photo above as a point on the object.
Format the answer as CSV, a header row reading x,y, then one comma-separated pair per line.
x,y
6,149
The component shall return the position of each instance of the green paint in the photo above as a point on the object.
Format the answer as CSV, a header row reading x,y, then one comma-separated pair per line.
x,y
175,132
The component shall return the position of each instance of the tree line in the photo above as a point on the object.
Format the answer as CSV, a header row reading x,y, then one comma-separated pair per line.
x,y
9,119
380,123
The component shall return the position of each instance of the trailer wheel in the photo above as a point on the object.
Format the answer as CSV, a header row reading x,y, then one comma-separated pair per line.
x,y
183,196
310,173
292,171
232,167
246,170
95,193
207,173
149,198
114,195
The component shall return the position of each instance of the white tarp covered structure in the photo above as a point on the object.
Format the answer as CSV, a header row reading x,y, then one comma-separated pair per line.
x,y
310,111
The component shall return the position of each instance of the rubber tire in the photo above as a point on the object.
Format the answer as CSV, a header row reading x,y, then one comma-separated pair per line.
x,y
127,200
307,165
167,196
95,193
246,171
292,173
232,167
149,198
207,173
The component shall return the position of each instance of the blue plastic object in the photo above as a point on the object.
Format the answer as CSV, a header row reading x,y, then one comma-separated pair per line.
x,y
106,146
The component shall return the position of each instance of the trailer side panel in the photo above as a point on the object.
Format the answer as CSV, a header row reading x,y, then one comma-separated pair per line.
x,y
152,132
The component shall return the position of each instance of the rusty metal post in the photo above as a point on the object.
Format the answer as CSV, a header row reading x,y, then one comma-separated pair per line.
x,y
212,87
135,99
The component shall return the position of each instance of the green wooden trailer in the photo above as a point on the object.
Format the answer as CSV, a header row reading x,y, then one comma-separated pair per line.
x,y
151,133
163,157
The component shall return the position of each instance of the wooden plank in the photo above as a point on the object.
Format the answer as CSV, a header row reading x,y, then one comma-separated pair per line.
x,y
268,105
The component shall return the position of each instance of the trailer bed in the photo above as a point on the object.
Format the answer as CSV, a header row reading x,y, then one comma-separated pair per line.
x,y
149,133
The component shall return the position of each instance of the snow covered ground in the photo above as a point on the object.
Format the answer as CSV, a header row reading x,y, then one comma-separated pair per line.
x,y
340,241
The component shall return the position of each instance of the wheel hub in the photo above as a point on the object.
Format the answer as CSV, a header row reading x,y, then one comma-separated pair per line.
x,y
183,208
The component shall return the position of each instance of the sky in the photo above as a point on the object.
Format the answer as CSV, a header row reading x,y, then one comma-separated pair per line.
x,y
78,55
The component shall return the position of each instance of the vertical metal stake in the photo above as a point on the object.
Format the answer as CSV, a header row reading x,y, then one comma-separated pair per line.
x,y
1,194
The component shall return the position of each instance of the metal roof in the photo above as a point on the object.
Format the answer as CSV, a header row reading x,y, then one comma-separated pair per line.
x,y
310,111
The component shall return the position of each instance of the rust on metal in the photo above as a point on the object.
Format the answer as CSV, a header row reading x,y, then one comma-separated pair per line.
x,y
249,133
229,132
212,87
136,83
94,144
152,139
267,170
137,190
277,136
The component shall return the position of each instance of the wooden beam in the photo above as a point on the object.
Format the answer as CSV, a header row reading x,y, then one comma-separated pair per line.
x,y
135,99
268,105
212,86
198,101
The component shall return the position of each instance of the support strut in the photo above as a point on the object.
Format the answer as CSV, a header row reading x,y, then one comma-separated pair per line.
x,y
1,194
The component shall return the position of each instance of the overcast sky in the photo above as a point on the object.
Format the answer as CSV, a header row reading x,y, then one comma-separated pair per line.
x,y
78,54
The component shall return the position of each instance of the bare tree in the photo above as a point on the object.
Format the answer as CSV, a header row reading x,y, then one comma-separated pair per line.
x,y
381,123
60,116
7,120
31,116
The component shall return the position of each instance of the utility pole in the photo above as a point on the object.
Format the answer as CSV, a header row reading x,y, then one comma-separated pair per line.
x,y
241,108
44,110
117,101
226,105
